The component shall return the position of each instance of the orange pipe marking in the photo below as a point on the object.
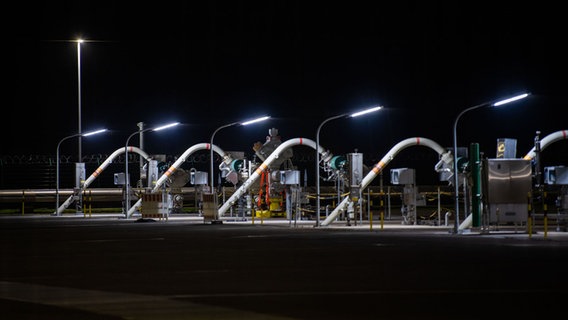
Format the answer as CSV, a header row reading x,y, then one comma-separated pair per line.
x,y
260,169
97,172
169,171
377,168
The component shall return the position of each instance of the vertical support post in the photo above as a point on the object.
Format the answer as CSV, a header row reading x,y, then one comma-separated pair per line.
x,y
382,209
545,210
23,200
140,183
79,181
529,219
369,213
439,208
389,202
80,156
476,187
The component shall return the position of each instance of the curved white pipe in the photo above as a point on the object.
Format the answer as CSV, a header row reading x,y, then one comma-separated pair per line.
x,y
447,218
98,171
416,141
109,160
181,160
549,139
274,155
467,222
173,168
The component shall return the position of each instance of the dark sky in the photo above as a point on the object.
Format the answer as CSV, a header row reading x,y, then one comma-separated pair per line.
x,y
209,63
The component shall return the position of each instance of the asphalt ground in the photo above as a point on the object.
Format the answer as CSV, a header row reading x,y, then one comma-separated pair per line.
x,y
104,267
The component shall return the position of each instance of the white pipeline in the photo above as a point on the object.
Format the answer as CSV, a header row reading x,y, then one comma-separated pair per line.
x,y
417,141
175,166
181,160
274,155
546,141
97,172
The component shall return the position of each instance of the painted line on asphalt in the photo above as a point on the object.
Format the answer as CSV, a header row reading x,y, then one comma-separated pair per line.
x,y
125,305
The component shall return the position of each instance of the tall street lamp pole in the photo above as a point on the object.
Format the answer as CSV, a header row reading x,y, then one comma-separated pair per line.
x,y
57,164
78,172
353,115
245,123
126,176
455,149
79,41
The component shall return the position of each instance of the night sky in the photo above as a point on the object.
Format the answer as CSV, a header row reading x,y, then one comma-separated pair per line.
x,y
209,63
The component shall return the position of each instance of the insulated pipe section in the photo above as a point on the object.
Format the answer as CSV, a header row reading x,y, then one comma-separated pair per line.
x,y
326,156
109,160
177,164
181,160
99,170
417,141
549,139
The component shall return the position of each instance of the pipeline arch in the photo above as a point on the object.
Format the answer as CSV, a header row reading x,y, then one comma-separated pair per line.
x,y
99,170
175,166
379,166
273,156
546,141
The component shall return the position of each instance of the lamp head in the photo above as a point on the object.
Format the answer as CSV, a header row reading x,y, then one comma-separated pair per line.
x,y
255,120
166,126
93,132
505,101
360,113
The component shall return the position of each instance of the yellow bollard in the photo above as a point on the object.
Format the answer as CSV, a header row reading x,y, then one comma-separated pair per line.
x,y
370,220
85,204
90,203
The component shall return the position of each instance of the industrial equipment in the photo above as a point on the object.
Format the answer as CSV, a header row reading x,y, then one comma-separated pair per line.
x,y
411,198
508,184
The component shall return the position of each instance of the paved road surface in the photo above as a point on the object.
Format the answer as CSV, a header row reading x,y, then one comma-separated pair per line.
x,y
110,268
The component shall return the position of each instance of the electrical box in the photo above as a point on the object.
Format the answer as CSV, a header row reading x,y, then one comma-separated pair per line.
x,y
506,148
290,177
79,174
556,175
355,168
508,182
119,179
355,161
153,173
198,178
403,176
